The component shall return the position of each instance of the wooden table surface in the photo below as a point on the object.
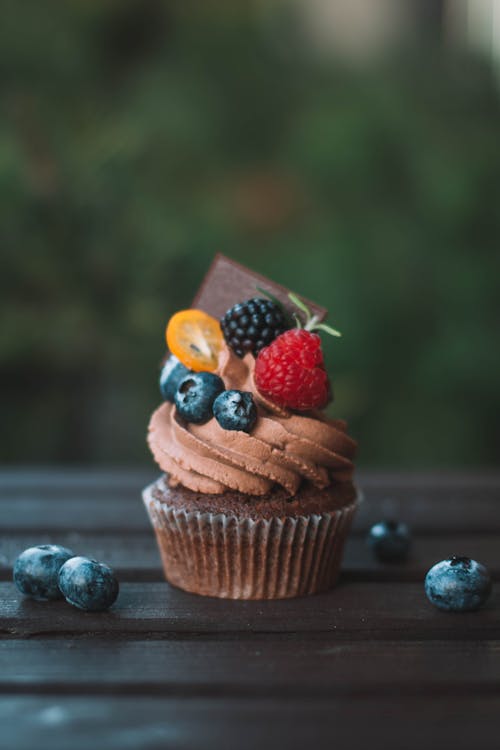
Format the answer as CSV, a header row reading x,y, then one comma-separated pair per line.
x,y
370,664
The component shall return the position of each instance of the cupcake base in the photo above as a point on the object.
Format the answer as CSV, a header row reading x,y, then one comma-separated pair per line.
x,y
276,553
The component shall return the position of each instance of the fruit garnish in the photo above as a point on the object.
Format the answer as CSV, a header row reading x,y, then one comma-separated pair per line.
x,y
196,394
195,338
291,371
235,410
171,375
250,326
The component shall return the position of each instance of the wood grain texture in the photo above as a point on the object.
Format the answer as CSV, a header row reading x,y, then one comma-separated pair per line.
x,y
369,664
301,667
389,611
349,723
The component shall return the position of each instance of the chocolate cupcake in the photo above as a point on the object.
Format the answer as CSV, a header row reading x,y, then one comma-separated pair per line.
x,y
257,497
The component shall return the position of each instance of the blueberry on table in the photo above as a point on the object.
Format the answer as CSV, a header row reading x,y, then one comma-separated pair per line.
x,y
390,541
88,584
171,375
196,394
36,570
458,584
235,410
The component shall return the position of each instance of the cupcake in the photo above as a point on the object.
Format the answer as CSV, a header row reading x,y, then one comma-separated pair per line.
x,y
256,496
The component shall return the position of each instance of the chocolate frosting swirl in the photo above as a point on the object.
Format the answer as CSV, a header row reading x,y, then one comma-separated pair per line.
x,y
283,448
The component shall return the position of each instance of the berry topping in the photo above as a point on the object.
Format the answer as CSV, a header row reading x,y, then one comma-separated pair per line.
x,y
88,584
390,541
171,375
235,410
36,570
291,372
458,584
250,326
196,394
195,338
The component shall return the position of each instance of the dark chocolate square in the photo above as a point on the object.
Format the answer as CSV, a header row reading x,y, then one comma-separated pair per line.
x,y
228,282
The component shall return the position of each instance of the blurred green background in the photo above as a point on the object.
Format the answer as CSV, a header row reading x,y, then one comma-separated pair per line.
x,y
349,150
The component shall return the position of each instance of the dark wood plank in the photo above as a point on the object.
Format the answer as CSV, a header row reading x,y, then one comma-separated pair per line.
x,y
90,513
246,667
367,664
431,510
135,556
360,565
389,611
431,503
63,480
349,723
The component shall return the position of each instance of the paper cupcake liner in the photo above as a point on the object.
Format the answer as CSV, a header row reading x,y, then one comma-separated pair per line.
x,y
242,558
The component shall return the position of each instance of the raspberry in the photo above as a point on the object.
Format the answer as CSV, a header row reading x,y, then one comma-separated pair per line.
x,y
291,372
250,326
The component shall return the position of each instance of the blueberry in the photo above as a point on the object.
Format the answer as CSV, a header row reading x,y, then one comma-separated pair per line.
x,y
171,375
195,395
390,541
235,410
458,584
88,584
36,570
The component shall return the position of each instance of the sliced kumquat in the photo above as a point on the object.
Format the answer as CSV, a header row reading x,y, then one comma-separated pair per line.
x,y
195,338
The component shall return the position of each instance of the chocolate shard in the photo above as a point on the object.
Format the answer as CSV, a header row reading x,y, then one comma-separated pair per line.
x,y
228,282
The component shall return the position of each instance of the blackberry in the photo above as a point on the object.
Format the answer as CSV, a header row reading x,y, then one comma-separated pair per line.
x,y
250,326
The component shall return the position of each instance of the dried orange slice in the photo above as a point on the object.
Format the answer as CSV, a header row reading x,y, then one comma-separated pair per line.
x,y
195,338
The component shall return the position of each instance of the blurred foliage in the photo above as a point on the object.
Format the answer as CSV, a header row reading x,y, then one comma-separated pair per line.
x,y
138,138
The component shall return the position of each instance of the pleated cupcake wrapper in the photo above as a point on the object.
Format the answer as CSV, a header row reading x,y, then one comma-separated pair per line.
x,y
241,558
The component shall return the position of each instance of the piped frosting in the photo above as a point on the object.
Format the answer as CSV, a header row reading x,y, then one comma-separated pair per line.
x,y
284,448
